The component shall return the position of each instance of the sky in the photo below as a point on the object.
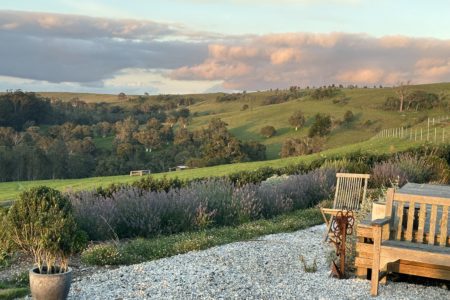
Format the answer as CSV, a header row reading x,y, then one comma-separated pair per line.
x,y
195,46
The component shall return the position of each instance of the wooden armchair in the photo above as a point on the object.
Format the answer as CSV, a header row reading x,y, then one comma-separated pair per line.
x,y
351,190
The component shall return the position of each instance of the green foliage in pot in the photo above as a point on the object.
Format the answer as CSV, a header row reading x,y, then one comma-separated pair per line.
x,y
41,223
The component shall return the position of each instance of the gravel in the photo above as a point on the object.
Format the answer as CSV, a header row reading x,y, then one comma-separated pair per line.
x,y
266,268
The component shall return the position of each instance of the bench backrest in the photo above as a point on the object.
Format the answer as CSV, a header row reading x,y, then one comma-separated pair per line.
x,y
418,219
351,190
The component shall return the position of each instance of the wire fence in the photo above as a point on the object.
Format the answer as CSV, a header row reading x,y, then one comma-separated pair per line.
x,y
435,130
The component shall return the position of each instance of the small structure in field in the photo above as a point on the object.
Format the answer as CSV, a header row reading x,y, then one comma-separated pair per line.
x,y
139,172
181,168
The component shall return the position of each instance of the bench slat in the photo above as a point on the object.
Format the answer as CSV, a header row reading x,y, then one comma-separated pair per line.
x,y
399,219
443,231
432,233
422,218
410,220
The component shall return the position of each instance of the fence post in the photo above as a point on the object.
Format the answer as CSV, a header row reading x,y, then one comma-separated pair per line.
x,y
410,134
428,131
415,135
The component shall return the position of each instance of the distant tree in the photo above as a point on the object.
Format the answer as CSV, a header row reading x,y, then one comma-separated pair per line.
x,y
125,129
182,137
321,126
149,137
297,120
303,146
254,150
402,91
244,107
268,131
122,96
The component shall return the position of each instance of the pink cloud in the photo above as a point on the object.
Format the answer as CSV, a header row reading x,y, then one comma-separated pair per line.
x,y
365,75
212,70
284,55
281,60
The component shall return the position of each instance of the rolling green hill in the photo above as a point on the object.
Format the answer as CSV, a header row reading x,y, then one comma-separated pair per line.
x,y
246,124
10,190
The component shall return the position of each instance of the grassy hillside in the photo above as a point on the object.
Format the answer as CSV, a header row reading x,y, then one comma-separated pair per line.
x,y
246,124
10,190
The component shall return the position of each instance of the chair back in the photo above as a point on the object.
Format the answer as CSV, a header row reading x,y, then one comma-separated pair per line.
x,y
351,190
418,218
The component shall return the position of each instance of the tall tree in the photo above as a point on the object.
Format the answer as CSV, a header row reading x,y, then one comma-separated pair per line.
x,y
297,120
402,90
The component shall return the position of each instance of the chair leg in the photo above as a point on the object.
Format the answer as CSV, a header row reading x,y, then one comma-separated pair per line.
x,y
327,232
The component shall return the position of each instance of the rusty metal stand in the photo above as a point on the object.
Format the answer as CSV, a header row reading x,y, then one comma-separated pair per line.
x,y
341,226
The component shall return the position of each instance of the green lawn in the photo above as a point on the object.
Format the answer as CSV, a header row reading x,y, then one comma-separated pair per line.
x,y
10,190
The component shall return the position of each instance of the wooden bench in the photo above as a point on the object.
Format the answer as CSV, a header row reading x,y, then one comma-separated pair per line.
x,y
139,172
412,238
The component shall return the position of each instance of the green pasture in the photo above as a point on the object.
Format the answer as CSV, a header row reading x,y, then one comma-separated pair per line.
x,y
10,190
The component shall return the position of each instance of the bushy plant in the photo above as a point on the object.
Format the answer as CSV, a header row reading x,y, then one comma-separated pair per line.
x,y
346,165
132,212
104,254
409,167
41,223
5,242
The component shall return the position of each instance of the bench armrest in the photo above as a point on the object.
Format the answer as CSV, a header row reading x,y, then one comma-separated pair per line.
x,y
381,222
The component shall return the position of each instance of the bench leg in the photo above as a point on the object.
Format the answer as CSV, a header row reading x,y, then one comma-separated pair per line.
x,y
376,261
374,281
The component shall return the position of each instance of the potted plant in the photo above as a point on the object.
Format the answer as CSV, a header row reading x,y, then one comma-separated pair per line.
x,y
41,224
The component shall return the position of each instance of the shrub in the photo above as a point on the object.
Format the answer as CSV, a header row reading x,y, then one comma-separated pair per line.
x,y
131,212
321,125
325,92
409,167
41,223
303,146
268,131
348,116
5,242
244,177
297,120
347,165
104,254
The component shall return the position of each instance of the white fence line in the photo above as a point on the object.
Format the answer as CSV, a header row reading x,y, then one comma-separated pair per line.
x,y
431,133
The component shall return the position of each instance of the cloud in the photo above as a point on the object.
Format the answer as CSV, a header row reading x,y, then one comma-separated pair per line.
x,y
70,48
102,53
281,60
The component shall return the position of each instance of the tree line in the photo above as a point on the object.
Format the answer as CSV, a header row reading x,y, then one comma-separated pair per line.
x,y
36,144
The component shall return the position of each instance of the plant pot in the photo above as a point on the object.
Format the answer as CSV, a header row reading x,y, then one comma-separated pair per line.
x,y
50,286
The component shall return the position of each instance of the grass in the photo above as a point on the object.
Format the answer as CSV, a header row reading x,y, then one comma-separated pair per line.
x,y
140,250
10,190
13,293
246,125
14,289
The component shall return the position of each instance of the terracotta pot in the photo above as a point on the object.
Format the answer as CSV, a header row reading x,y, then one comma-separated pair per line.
x,y
50,286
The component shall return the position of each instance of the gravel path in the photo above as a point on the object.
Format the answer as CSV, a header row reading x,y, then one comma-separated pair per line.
x,y
268,268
